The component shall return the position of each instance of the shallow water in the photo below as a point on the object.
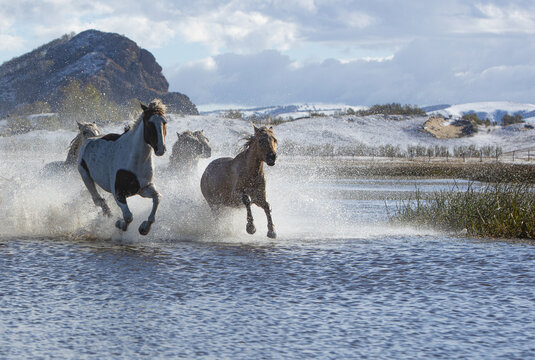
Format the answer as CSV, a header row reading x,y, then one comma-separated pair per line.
x,y
338,282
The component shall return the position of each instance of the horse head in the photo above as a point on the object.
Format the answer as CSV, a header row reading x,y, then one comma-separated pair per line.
x,y
154,126
87,130
206,150
192,145
267,144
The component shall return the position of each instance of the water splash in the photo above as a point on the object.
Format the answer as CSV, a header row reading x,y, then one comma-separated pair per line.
x,y
59,206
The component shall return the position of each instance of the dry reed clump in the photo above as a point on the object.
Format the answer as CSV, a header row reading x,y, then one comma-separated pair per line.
x,y
496,210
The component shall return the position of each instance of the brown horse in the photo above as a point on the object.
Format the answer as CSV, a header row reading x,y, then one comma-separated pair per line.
x,y
241,181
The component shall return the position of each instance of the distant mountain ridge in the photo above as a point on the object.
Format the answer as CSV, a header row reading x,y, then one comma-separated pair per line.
x,y
494,110
114,64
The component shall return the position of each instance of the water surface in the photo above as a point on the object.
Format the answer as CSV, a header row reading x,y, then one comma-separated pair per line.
x,y
340,281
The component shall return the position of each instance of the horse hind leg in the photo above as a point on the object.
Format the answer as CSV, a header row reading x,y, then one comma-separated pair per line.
x,y
246,199
90,184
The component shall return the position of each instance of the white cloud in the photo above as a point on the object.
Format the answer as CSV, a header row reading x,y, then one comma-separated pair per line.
x,y
142,29
11,43
356,19
228,29
425,72
494,19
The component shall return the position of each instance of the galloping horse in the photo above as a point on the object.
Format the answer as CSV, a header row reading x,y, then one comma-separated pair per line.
x,y
85,131
122,164
241,180
188,149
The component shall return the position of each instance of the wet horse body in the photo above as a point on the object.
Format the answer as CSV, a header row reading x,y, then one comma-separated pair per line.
x,y
187,150
123,165
241,181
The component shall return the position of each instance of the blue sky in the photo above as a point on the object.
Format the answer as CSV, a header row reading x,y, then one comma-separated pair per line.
x,y
297,51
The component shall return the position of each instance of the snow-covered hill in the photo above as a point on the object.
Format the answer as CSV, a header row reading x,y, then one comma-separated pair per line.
x,y
284,111
323,132
347,132
494,111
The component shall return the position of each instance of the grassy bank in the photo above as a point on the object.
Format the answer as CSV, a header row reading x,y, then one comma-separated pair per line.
x,y
492,172
497,210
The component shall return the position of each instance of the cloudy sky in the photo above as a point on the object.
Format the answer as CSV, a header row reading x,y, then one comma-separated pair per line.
x,y
357,52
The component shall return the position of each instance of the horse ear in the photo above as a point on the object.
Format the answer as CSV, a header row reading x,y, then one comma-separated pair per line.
x,y
143,106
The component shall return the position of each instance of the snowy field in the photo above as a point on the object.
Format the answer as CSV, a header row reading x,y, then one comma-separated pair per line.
x,y
333,130
373,131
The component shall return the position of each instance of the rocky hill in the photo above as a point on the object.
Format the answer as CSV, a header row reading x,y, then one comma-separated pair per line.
x,y
114,64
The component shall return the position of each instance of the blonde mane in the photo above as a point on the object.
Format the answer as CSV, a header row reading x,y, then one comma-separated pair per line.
x,y
156,106
85,130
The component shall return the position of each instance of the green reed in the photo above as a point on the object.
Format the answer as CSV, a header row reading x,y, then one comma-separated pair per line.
x,y
496,210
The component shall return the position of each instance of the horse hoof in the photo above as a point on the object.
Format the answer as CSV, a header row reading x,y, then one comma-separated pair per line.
x,y
121,225
250,228
272,234
144,228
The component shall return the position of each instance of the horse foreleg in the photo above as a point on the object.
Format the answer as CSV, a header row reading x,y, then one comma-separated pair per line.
x,y
246,199
123,223
271,228
90,184
149,192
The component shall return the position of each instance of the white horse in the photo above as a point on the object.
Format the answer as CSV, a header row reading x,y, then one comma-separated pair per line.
x,y
122,164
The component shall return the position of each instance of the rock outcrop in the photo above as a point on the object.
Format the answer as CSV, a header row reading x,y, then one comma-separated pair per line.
x,y
114,64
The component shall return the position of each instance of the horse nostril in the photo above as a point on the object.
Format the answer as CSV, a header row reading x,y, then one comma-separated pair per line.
x,y
270,158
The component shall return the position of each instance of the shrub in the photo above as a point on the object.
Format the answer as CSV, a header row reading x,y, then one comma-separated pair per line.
x,y
233,114
512,119
392,109
498,210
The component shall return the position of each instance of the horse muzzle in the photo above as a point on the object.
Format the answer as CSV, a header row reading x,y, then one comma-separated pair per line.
x,y
207,152
270,159
160,150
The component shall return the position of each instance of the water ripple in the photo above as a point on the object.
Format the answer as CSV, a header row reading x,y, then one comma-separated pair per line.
x,y
377,298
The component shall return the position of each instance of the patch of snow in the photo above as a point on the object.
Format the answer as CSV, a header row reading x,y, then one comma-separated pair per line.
x,y
88,65
493,110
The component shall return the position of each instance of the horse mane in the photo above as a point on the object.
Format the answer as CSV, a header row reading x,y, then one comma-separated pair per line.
x,y
249,139
74,146
156,107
